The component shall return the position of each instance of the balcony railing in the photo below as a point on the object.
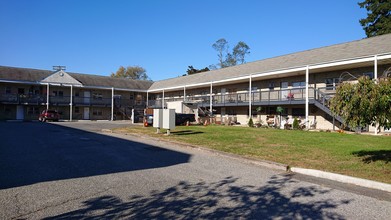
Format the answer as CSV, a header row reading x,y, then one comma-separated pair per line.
x,y
287,96
66,100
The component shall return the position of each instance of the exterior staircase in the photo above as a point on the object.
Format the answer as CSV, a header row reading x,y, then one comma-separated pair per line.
x,y
322,100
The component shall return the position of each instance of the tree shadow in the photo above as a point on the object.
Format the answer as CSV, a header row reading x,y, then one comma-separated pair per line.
x,y
38,152
373,156
186,132
216,200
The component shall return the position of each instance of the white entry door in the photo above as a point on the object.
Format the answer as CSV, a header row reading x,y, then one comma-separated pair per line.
x,y
19,112
86,113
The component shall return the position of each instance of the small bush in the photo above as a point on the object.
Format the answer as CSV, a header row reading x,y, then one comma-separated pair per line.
x,y
295,124
250,123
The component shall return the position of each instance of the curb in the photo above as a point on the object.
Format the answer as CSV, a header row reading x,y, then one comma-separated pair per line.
x,y
277,166
343,178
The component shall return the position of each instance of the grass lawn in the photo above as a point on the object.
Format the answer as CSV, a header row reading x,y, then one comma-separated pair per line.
x,y
362,156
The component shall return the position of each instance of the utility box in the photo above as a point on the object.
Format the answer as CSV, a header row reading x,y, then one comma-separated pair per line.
x,y
158,118
168,119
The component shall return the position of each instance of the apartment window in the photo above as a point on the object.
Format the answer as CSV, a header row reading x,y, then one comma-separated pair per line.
x,y
332,83
20,91
298,84
33,110
77,109
58,93
271,85
298,112
370,75
97,112
7,90
271,110
7,110
97,96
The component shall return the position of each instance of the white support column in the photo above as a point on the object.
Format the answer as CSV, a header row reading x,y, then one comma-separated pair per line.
x,y
112,104
307,77
147,105
375,77
184,93
375,69
163,100
250,98
47,96
211,98
70,104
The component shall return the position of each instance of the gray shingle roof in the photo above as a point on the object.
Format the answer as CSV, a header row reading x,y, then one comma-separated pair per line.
x,y
360,48
35,75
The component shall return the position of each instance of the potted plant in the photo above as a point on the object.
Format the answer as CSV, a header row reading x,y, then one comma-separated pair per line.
x,y
280,110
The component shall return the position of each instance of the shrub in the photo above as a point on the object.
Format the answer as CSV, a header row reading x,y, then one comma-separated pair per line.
x,y
250,123
295,124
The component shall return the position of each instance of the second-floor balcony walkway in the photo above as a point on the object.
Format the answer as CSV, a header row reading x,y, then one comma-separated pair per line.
x,y
272,97
22,99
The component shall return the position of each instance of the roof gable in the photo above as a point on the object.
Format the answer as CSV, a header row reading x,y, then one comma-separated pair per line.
x,y
61,77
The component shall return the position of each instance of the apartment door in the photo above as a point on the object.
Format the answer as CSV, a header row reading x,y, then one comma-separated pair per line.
x,y
284,91
19,112
86,114
223,91
87,97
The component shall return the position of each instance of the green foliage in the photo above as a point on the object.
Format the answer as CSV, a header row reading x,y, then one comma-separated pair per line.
x,y
131,72
280,109
191,70
227,59
364,103
250,123
383,103
378,21
296,124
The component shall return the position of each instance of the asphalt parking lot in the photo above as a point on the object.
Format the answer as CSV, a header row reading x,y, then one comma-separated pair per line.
x,y
68,170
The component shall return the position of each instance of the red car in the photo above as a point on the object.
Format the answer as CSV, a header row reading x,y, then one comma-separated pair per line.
x,y
48,114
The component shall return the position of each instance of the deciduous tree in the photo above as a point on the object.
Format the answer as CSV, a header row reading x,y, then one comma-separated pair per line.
x,y
131,72
227,59
363,103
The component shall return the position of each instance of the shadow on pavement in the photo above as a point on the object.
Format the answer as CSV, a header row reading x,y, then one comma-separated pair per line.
x,y
215,200
38,152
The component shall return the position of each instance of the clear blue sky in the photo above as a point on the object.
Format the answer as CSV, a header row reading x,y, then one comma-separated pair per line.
x,y
164,37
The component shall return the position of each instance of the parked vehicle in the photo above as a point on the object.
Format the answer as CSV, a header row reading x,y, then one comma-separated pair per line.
x,y
47,114
180,119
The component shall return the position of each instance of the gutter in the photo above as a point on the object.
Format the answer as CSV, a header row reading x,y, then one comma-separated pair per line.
x,y
341,62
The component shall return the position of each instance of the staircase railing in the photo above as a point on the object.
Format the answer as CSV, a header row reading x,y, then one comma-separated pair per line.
x,y
322,101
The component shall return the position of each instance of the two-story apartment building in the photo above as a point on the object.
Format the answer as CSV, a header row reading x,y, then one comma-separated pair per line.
x,y
24,93
299,83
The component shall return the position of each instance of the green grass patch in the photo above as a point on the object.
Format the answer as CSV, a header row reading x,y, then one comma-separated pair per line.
x,y
362,156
